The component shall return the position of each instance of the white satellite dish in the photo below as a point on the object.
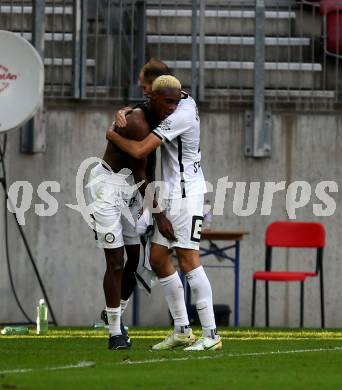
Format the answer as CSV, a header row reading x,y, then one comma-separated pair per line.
x,y
21,81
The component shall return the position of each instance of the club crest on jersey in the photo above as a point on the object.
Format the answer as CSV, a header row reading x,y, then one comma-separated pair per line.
x,y
109,237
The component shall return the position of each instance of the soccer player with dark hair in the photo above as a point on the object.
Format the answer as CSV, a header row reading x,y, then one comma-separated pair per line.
x,y
179,137
115,207
149,72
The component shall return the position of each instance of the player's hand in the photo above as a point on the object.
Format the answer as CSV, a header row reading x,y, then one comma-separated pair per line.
x,y
120,117
165,227
110,133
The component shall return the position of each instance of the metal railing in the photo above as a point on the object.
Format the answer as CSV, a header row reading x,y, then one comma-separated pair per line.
x,y
116,44
94,49
217,58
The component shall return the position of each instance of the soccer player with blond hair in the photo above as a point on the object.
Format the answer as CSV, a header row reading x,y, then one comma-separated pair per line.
x,y
179,137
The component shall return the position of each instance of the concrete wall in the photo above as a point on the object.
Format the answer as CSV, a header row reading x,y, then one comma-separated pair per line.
x,y
305,147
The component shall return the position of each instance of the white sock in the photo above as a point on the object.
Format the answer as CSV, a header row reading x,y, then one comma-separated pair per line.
x,y
123,305
114,316
203,297
174,295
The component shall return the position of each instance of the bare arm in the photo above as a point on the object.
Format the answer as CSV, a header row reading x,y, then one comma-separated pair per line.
x,y
136,130
136,149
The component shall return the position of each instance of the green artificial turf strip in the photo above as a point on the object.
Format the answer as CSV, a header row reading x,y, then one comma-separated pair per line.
x,y
249,358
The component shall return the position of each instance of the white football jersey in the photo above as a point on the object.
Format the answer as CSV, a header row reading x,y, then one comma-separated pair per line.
x,y
180,153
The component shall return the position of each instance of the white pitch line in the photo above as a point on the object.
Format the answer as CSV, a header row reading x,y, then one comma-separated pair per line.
x,y
128,362
84,364
81,364
206,357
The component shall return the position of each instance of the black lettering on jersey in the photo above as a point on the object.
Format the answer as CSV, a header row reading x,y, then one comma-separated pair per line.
x,y
94,226
197,116
197,165
196,228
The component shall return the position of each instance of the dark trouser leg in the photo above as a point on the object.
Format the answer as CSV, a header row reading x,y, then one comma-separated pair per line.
x,y
128,277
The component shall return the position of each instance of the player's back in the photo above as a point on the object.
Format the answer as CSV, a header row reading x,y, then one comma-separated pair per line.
x,y
137,128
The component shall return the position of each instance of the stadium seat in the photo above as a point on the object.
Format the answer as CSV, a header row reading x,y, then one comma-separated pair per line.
x,y
331,10
291,235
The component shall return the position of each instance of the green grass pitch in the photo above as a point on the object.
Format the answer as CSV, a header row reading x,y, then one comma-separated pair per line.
x,y
77,358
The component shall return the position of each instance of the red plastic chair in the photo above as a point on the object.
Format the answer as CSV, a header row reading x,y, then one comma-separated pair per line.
x,y
291,235
331,10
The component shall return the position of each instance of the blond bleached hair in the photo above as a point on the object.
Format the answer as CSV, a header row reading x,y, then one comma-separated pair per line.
x,y
166,81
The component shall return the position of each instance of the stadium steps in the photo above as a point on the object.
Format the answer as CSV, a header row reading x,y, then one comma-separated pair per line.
x,y
59,71
235,74
91,91
219,48
16,18
58,39
280,94
162,21
292,60
60,43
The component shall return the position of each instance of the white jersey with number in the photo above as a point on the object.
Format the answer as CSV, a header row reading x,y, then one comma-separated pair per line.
x,y
180,154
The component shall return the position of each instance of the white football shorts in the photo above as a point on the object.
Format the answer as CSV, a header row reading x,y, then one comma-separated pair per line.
x,y
186,216
115,205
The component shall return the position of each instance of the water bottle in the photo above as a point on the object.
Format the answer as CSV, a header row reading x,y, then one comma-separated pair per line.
x,y
208,215
42,318
14,330
100,326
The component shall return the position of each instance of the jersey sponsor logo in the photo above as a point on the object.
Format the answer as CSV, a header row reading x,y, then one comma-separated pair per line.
x,y
196,228
109,237
165,125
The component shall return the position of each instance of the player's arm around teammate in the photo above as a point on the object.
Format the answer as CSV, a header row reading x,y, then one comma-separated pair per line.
x,y
181,167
